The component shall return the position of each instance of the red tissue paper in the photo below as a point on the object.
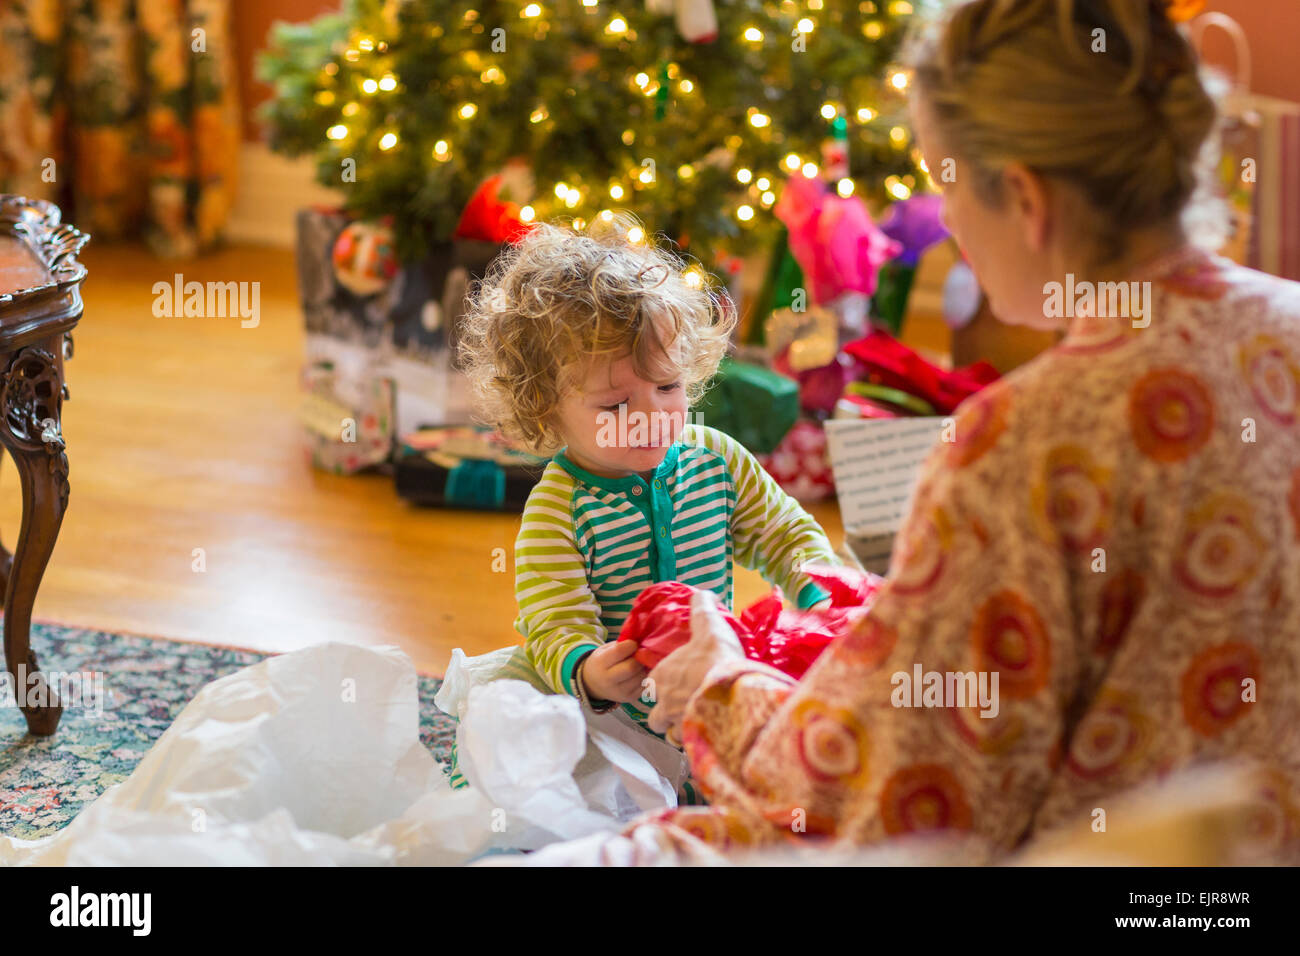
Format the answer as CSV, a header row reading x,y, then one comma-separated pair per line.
x,y
885,360
660,620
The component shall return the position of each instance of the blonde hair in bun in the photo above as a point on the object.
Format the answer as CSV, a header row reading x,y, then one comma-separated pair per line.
x,y
1028,81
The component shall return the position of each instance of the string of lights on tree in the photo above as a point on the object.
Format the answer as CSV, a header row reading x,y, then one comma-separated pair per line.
x,y
608,104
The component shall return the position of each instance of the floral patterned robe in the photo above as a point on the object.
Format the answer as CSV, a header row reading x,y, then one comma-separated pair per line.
x,y
1115,530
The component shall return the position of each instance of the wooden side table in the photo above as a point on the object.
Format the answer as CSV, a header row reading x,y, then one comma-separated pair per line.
x,y
40,303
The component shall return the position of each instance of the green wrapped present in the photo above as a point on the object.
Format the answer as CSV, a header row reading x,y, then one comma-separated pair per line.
x,y
754,405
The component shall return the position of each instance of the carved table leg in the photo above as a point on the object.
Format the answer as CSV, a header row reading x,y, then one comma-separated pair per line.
x,y
6,560
30,428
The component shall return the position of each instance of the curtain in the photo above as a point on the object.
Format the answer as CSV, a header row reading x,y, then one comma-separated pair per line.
x,y
125,113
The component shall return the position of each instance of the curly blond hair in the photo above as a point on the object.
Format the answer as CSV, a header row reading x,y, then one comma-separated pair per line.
x,y
559,299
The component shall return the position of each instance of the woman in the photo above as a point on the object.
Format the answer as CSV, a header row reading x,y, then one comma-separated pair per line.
x,y
1115,532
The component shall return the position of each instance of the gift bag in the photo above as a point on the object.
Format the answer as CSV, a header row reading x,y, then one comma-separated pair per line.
x,y
1275,244
364,310
1259,166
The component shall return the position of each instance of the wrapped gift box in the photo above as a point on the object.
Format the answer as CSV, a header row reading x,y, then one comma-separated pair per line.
x,y
458,466
348,422
754,405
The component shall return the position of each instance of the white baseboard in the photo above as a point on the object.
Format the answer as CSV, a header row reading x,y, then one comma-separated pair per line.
x,y
271,190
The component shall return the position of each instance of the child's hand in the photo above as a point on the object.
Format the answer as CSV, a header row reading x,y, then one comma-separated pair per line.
x,y
611,672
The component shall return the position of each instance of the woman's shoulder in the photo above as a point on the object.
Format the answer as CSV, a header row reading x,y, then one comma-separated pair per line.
x,y
1205,328
1215,279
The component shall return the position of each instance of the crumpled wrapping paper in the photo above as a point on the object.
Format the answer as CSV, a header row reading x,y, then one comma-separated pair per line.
x,y
314,758
618,769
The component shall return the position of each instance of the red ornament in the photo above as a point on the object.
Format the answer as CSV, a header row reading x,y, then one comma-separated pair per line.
x,y
364,257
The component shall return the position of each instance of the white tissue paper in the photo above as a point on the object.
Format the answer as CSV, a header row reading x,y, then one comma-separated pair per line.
x,y
626,771
314,758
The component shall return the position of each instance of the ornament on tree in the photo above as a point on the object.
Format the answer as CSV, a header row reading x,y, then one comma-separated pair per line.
x,y
696,20
835,151
917,223
365,260
962,296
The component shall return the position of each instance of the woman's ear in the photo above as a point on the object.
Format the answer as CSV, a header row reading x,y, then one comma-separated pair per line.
x,y
1030,203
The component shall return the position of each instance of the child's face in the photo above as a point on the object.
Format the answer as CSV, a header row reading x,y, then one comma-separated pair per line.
x,y
617,423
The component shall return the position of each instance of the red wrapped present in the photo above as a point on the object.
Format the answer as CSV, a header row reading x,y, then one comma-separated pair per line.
x,y
801,464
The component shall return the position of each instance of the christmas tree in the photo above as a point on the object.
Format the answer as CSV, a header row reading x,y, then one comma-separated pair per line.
x,y
687,113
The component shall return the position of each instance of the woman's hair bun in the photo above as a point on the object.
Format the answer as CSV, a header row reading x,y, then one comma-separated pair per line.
x,y
1105,94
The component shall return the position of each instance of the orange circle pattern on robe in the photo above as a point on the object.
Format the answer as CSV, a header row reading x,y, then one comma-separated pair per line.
x,y
924,798
698,747
1213,690
1070,499
833,746
1009,637
987,735
922,553
1220,549
1180,11
1199,277
716,826
867,643
979,424
798,822
1171,414
1113,735
1273,375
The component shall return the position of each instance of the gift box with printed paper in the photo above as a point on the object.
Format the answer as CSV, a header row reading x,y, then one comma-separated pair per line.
x,y
348,423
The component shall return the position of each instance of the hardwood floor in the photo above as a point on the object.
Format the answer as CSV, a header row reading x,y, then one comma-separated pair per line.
x,y
182,435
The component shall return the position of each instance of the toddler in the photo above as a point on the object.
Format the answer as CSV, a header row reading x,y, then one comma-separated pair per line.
x,y
592,347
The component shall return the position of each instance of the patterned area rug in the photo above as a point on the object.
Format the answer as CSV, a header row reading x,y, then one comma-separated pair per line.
x,y
45,781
